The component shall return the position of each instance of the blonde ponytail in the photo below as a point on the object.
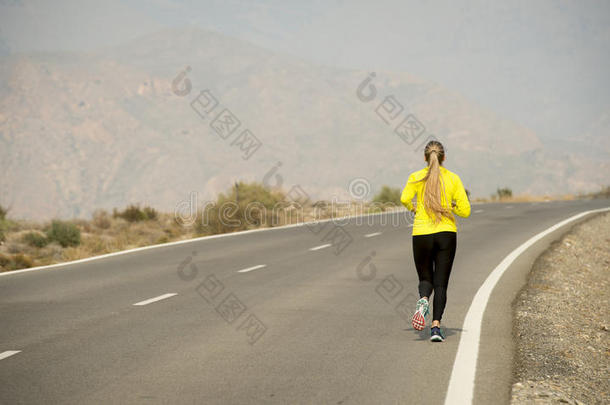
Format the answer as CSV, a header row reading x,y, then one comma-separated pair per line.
x,y
434,188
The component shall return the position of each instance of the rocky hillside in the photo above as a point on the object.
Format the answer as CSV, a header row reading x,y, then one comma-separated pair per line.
x,y
100,130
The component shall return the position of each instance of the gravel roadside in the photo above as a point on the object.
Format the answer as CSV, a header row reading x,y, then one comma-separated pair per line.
x,y
561,319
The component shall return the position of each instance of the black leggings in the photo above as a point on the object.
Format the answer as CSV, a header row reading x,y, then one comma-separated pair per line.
x,y
433,254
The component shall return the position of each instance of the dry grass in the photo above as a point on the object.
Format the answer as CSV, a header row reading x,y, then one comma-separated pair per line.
x,y
603,193
526,198
107,233
102,234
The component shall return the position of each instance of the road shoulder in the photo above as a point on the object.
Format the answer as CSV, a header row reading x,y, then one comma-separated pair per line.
x,y
567,292
494,376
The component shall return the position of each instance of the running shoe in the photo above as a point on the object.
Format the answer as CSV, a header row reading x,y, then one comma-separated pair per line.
x,y
421,311
436,335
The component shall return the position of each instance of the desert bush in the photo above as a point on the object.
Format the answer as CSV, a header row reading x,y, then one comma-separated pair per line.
x,y
150,213
3,223
503,193
162,239
13,246
320,207
83,224
74,253
64,233
51,253
22,261
4,261
35,239
101,219
245,206
15,262
133,213
172,230
245,193
93,244
388,194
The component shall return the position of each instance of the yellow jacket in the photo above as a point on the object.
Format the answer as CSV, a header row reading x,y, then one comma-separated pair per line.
x,y
453,192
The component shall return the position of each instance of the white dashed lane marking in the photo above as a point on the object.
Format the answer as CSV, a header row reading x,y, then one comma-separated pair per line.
x,y
370,235
259,266
477,211
8,353
151,300
320,247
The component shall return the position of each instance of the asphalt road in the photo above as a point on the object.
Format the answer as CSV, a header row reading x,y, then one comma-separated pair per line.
x,y
319,326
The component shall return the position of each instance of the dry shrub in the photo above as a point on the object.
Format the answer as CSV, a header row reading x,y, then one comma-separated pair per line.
x,y
83,224
4,260
133,213
52,253
65,233
145,233
162,239
95,245
15,247
101,219
15,262
35,239
74,253
22,261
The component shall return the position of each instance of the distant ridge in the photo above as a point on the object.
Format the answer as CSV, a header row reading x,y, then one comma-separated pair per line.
x,y
80,131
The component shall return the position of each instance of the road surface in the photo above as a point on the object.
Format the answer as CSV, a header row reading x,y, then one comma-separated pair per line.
x,y
293,315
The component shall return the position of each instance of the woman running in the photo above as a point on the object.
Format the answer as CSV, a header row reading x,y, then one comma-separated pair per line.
x,y
440,194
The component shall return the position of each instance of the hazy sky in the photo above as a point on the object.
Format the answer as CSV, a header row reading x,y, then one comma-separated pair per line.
x,y
543,64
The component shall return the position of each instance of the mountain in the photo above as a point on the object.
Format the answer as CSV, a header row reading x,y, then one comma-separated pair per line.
x,y
80,131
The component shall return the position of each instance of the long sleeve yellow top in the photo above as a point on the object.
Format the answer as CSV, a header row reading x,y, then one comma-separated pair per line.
x,y
453,191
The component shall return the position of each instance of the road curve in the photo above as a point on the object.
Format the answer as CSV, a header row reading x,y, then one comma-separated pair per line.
x,y
294,315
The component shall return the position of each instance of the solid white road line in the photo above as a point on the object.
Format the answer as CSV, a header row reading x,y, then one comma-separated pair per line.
x,y
320,247
8,353
370,235
461,383
477,211
260,266
151,300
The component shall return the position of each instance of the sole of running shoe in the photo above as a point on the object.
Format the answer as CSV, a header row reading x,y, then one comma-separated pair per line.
x,y
419,318
418,321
